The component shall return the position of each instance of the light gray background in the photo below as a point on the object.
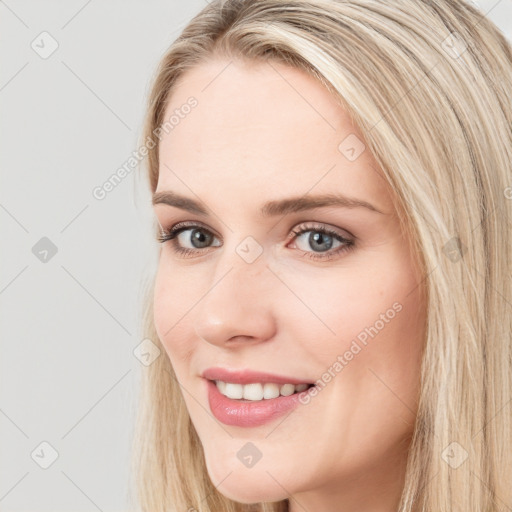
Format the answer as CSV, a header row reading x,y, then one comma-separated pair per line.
x,y
69,325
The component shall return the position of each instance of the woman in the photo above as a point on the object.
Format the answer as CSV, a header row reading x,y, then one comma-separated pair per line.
x,y
331,185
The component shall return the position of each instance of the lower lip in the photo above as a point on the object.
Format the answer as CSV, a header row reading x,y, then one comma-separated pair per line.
x,y
250,413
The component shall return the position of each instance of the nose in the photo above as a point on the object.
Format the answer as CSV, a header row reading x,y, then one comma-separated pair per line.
x,y
237,306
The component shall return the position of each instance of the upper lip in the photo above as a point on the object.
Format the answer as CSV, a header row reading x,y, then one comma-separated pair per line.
x,y
248,376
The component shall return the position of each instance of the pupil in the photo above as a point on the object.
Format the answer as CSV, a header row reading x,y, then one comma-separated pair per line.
x,y
318,239
201,238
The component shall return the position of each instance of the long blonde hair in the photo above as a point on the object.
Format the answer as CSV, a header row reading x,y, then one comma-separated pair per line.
x,y
428,82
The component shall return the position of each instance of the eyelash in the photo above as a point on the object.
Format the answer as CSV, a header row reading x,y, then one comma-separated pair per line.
x,y
172,233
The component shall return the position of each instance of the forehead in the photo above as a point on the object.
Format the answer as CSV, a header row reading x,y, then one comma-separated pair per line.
x,y
266,128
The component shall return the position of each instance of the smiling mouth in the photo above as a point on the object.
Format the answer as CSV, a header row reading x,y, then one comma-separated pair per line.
x,y
258,391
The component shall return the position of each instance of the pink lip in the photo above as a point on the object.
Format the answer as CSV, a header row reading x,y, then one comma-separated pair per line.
x,y
249,413
248,377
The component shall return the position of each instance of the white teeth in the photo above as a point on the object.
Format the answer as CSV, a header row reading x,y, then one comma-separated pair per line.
x,y
287,389
253,391
257,391
270,390
234,391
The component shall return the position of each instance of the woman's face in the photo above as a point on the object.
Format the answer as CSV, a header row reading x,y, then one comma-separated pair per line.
x,y
261,159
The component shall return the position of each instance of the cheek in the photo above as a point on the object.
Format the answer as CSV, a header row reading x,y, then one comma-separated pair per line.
x,y
372,316
380,292
378,322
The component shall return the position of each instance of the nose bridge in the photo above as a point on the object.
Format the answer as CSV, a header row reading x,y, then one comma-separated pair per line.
x,y
242,267
236,303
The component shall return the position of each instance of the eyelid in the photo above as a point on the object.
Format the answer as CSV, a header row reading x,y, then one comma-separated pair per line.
x,y
291,231
187,224
321,226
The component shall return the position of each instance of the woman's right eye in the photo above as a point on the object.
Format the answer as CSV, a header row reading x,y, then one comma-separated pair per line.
x,y
182,234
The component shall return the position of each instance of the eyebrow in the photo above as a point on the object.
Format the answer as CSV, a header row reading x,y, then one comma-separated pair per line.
x,y
271,208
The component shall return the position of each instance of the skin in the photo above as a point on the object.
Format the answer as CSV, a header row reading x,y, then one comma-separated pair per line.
x,y
262,132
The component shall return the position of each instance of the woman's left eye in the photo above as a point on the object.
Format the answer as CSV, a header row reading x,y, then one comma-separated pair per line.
x,y
325,242
322,239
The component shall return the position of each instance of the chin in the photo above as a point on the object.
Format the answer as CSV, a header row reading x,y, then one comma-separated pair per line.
x,y
244,485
